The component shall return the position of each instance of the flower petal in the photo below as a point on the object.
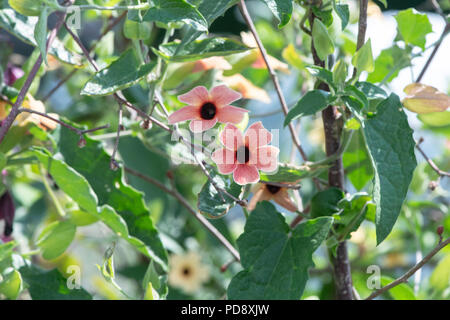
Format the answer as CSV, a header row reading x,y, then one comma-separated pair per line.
x,y
266,158
231,114
225,160
196,96
222,95
245,174
218,63
259,195
231,137
257,136
202,125
283,199
186,113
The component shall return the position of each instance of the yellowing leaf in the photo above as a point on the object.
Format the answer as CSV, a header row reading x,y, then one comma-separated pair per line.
x,y
292,57
425,99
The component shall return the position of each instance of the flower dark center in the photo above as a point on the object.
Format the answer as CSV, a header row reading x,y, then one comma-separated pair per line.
x,y
243,154
272,189
186,271
208,111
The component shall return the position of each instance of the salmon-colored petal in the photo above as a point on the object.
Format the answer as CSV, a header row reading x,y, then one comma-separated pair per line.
x,y
212,63
231,114
196,96
260,195
223,95
225,160
245,174
186,113
257,136
283,199
231,137
265,158
202,125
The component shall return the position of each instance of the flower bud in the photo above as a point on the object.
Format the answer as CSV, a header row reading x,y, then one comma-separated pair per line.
x,y
440,230
81,142
433,185
7,211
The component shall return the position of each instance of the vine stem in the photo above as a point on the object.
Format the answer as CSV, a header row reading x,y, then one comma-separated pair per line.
x,y
404,278
433,166
173,192
273,75
7,123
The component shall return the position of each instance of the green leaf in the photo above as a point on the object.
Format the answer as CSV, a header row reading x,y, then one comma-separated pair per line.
x,y
211,10
384,2
435,119
353,211
121,74
40,33
357,163
413,27
340,72
200,49
388,64
23,28
326,16
313,101
170,12
136,30
70,181
26,7
354,92
291,173
114,195
79,189
50,285
440,278
275,259
56,238
11,285
391,148
370,90
322,74
325,203
363,59
343,12
401,292
210,202
322,40
281,9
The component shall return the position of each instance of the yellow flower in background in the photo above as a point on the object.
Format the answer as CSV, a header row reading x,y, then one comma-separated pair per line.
x,y
187,272
425,99
246,88
36,105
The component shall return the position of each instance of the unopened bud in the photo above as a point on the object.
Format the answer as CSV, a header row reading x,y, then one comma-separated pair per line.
x,y
440,230
169,175
433,185
146,124
122,128
81,142
113,165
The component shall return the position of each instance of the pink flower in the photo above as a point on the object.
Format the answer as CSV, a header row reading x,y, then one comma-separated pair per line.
x,y
244,155
205,108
